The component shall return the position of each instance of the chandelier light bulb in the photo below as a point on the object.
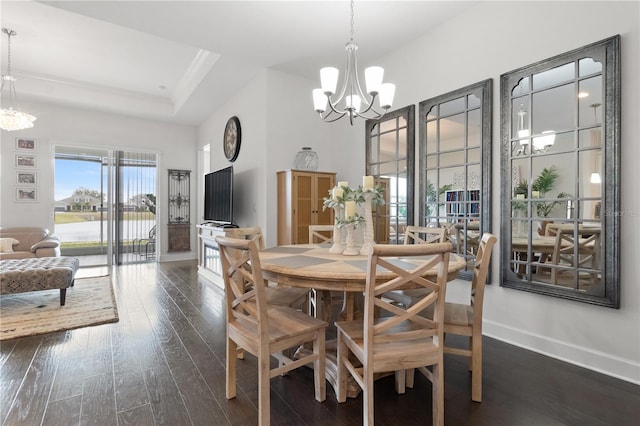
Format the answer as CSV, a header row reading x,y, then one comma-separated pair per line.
x,y
319,100
329,80
387,92
353,103
373,79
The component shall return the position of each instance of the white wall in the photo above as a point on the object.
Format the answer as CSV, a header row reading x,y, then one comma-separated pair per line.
x,y
55,125
250,106
276,120
484,42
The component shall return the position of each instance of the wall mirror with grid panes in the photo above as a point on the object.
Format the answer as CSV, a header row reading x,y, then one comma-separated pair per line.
x,y
390,158
455,166
560,175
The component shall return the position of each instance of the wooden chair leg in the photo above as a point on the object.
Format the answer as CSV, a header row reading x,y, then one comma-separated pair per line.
x,y
400,381
319,367
410,377
232,349
438,394
343,353
264,389
367,398
476,371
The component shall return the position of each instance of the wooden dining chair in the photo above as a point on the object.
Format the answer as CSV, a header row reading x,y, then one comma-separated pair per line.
x,y
321,302
417,235
261,329
466,318
424,235
402,339
320,234
575,250
278,294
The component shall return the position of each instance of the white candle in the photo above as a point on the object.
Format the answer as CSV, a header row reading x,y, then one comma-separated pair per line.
x,y
367,182
343,183
519,196
350,209
535,194
337,193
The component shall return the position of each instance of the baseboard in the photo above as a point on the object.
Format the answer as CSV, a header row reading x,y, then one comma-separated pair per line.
x,y
620,368
174,257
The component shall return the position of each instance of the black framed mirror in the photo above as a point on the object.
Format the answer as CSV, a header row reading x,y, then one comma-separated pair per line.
x,y
560,175
390,159
455,166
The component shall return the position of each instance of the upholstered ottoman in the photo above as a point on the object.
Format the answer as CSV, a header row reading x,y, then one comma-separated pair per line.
x,y
35,274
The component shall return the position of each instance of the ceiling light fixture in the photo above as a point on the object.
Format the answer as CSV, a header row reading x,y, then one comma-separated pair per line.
x,y
11,119
540,143
351,100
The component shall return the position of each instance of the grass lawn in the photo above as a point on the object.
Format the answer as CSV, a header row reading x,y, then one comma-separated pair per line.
x,y
74,217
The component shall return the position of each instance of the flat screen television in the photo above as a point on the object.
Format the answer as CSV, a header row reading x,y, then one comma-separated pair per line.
x,y
218,196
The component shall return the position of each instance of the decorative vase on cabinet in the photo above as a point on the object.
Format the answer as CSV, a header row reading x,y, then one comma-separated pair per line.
x,y
307,159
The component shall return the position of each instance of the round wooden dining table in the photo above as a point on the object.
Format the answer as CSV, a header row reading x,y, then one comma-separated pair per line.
x,y
312,266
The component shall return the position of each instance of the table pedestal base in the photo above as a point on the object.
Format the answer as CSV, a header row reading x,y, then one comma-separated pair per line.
x,y
331,370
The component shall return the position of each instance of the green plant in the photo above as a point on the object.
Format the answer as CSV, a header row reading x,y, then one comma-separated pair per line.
x,y
544,183
433,197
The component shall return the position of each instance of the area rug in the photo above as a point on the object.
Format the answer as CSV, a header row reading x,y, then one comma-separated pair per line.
x,y
89,302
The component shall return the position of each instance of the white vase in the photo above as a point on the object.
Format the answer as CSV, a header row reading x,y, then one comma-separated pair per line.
x,y
351,249
337,247
368,225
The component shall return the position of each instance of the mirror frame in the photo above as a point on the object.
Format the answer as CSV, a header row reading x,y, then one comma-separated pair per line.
x,y
609,49
408,113
486,101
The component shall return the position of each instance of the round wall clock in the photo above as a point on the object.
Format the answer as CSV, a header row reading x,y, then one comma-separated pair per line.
x,y
231,142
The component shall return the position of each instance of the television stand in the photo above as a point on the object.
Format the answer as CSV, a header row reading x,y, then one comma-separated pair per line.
x,y
215,224
209,266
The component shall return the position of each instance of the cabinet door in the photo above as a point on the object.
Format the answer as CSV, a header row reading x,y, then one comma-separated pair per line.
x,y
323,184
305,201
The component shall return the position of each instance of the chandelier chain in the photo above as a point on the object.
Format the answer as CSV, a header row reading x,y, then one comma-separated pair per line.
x,y
12,119
9,53
9,33
352,20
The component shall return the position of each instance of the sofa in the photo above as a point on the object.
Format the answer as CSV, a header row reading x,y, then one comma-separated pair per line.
x,y
28,242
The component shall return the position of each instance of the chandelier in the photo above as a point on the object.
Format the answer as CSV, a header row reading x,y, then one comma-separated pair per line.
x,y
351,100
11,119
539,144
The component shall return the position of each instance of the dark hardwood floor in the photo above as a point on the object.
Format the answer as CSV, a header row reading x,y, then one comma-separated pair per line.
x,y
163,364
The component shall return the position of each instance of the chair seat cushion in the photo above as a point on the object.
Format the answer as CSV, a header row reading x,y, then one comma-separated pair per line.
x,y
458,314
285,296
284,323
386,354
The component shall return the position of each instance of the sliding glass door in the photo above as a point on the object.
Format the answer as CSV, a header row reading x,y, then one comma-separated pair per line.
x,y
104,208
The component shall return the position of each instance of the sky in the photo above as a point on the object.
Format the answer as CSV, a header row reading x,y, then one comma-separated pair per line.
x,y
71,175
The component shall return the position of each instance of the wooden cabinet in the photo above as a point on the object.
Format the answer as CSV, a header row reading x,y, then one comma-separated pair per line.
x,y
300,198
179,237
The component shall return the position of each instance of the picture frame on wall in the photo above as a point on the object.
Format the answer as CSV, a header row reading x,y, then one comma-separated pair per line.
x,y
26,144
23,160
26,194
26,178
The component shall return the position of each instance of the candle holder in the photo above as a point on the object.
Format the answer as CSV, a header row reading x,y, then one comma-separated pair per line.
x,y
337,247
368,223
351,249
